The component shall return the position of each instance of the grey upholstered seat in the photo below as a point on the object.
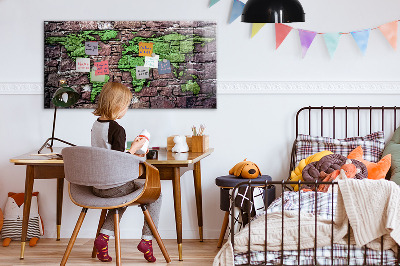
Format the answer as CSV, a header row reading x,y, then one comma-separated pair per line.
x,y
85,167
83,196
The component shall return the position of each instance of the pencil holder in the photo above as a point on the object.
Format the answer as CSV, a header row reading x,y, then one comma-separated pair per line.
x,y
200,143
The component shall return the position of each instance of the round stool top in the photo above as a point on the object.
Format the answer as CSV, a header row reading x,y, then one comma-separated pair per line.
x,y
230,181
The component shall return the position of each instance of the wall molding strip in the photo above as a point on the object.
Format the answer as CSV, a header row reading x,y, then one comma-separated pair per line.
x,y
260,87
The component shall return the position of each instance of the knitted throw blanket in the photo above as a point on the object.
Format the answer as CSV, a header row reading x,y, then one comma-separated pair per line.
x,y
373,209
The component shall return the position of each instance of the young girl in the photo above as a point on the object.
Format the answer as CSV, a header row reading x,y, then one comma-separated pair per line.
x,y
113,102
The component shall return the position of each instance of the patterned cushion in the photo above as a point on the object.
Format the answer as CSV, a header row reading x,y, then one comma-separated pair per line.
x,y
372,144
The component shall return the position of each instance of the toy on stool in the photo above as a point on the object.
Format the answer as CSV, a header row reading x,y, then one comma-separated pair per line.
x,y
245,169
13,215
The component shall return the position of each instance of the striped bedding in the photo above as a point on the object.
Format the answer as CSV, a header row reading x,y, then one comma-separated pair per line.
x,y
322,207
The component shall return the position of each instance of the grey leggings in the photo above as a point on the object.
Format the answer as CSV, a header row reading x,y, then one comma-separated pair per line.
x,y
154,208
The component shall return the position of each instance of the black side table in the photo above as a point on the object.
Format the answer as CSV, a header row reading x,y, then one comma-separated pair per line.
x,y
228,182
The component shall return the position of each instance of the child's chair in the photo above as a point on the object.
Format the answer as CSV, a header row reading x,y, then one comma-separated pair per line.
x,y
85,167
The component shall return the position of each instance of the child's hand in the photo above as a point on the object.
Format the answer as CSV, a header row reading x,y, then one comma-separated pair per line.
x,y
137,144
142,155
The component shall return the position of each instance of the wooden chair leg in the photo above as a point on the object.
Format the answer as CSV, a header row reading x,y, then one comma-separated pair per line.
x,y
154,230
101,222
223,229
117,238
73,237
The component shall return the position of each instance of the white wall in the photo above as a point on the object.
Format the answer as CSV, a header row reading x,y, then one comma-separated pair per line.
x,y
259,127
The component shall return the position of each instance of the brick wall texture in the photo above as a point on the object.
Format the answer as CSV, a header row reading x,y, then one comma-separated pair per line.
x,y
192,84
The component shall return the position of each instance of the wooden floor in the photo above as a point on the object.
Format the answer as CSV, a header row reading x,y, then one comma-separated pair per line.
x,y
50,252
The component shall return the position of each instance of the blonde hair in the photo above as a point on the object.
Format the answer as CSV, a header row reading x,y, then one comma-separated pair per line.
x,y
113,98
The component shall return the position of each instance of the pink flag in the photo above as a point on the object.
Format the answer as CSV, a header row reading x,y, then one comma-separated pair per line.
x,y
389,30
306,39
281,31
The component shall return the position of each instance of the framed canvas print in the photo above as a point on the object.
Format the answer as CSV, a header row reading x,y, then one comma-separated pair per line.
x,y
166,64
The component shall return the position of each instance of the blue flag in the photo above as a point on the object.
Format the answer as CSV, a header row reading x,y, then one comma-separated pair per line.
x,y
361,38
237,9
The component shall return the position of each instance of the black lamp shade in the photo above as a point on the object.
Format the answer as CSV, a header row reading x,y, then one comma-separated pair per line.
x,y
273,11
65,97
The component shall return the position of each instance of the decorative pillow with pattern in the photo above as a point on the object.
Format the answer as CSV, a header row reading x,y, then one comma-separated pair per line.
x,y
372,145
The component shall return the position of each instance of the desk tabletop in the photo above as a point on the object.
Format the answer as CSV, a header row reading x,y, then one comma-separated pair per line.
x,y
164,157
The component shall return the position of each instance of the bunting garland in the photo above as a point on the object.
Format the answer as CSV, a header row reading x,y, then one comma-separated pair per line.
x,y
306,39
237,8
213,2
332,41
361,37
256,28
281,31
389,30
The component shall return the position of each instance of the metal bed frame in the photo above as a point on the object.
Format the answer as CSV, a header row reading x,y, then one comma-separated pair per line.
x,y
283,184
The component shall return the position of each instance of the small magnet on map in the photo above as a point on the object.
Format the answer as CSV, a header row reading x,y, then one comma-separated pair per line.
x,y
165,60
153,55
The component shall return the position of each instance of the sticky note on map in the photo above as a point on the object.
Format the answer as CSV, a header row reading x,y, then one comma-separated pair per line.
x,y
142,72
82,64
91,48
102,68
151,61
98,78
145,48
164,67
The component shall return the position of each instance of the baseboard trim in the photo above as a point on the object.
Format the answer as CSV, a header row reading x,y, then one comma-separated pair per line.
x,y
257,87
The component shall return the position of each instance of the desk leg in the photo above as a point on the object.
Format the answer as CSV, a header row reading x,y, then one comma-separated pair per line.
x,y
176,182
27,206
60,190
199,204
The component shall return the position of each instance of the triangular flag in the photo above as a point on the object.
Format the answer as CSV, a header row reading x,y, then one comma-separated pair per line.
x,y
281,31
332,41
390,32
255,28
306,39
361,37
213,2
237,9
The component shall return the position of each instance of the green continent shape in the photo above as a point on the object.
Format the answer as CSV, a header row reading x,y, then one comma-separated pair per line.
x,y
75,43
173,47
191,86
96,87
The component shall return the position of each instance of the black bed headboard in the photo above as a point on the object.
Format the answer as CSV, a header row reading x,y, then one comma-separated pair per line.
x,y
347,112
344,121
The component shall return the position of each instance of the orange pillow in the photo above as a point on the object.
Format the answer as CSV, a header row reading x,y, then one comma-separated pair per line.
x,y
375,170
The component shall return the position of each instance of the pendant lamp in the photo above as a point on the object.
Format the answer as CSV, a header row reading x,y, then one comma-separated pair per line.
x,y
272,11
63,97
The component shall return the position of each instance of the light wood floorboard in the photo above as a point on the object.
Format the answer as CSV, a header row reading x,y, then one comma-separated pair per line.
x,y
50,252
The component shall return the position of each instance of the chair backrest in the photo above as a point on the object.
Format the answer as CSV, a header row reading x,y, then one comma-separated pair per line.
x,y
92,166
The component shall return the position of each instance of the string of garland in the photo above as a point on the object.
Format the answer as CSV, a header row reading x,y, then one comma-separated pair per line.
x,y
361,37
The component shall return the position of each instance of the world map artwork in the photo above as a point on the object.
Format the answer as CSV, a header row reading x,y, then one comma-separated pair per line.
x,y
165,64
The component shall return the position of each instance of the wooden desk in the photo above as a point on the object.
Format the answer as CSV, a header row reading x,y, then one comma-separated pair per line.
x,y
171,167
